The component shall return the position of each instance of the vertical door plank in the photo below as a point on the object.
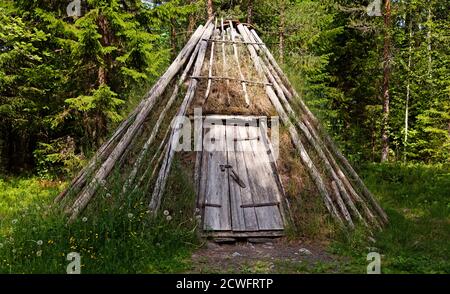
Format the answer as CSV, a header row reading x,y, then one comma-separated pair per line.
x,y
243,219
266,185
217,202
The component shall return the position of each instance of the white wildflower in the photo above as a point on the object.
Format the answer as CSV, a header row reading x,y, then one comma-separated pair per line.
x,y
84,219
14,221
169,218
39,253
130,215
40,242
166,212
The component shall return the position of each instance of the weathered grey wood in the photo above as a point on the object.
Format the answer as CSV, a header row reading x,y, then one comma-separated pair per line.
x,y
203,178
232,42
277,77
160,150
312,169
175,134
198,134
236,57
341,180
268,57
224,63
261,204
338,199
317,144
232,79
107,166
217,186
348,186
256,234
318,148
286,208
260,182
237,213
250,219
232,119
263,183
78,182
255,176
211,61
272,60
156,127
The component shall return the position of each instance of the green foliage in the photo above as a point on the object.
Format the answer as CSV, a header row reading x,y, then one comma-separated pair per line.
x,y
61,76
57,158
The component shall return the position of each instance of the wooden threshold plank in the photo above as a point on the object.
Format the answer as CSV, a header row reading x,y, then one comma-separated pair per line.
x,y
253,234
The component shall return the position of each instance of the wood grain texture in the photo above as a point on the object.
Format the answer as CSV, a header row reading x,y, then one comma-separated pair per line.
x,y
217,201
253,205
244,219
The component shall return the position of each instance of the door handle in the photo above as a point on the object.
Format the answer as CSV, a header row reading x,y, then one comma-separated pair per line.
x,y
234,175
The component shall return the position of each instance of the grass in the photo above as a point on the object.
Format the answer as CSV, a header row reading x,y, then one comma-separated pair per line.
x,y
112,238
121,238
417,200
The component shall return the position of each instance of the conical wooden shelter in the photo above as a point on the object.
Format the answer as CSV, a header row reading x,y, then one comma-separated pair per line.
x,y
226,72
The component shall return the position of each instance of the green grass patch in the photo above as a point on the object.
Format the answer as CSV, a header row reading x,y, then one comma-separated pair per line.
x,y
417,200
115,235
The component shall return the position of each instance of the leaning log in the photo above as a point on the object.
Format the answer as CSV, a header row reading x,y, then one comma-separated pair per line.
x,y
236,58
308,163
312,123
175,134
211,62
150,100
149,142
224,64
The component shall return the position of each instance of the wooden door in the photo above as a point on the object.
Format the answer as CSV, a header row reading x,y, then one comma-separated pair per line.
x,y
238,182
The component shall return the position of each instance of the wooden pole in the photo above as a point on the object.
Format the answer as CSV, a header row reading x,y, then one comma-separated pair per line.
x,y
107,166
175,135
313,124
224,63
161,117
211,61
236,57
308,163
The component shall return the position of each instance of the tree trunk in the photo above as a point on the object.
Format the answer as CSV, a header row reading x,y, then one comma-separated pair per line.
x,y
429,22
105,41
250,12
173,38
281,31
408,90
386,79
210,8
192,19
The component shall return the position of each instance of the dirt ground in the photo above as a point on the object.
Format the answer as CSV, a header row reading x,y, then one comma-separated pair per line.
x,y
270,256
